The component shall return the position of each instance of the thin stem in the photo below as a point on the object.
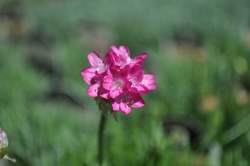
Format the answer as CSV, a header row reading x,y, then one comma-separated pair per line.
x,y
102,125
10,159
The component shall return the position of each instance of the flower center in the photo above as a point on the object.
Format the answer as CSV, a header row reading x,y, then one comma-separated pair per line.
x,y
119,83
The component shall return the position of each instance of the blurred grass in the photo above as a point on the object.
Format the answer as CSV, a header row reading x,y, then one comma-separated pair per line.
x,y
199,51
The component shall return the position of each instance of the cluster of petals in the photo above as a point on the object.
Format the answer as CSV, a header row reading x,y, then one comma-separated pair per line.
x,y
118,78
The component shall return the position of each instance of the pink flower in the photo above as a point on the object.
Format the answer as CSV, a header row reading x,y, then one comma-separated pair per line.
x,y
118,78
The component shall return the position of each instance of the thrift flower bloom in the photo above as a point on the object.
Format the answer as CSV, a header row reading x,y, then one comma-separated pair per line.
x,y
118,78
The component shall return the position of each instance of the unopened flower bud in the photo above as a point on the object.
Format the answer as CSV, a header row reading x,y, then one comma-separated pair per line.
x,y
3,143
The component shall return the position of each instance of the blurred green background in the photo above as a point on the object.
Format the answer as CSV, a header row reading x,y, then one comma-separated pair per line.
x,y
198,49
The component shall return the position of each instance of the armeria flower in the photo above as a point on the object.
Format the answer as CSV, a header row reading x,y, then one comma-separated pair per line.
x,y
3,143
118,78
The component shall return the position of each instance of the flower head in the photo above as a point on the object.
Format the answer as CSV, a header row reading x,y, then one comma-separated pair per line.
x,y
118,78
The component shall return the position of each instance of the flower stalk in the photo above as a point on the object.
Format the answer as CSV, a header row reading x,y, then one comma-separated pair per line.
x,y
6,157
101,132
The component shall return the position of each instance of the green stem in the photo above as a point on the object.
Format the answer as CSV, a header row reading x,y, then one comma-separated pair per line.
x,y
101,130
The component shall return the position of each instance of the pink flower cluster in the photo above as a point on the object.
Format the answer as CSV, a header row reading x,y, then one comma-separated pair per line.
x,y
118,78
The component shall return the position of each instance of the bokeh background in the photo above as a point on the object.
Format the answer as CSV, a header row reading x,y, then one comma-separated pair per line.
x,y
198,49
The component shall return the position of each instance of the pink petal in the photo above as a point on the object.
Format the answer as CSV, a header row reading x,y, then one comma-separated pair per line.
x,y
138,103
125,108
105,95
122,51
115,106
95,60
135,74
93,90
107,82
115,92
149,81
138,60
88,74
118,56
140,88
